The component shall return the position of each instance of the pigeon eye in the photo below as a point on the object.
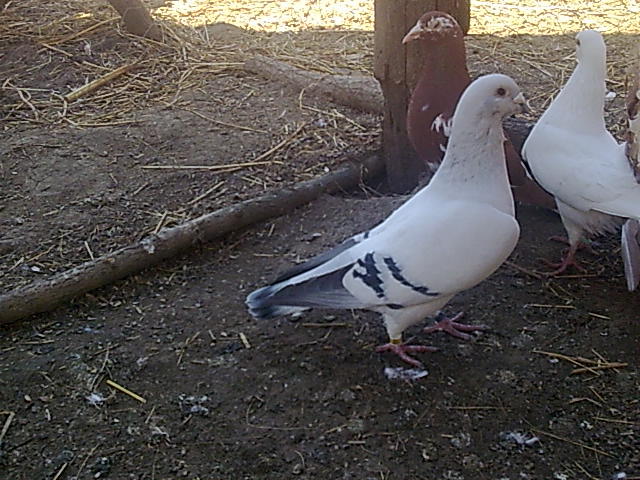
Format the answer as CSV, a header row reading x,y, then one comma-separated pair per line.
x,y
501,92
577,41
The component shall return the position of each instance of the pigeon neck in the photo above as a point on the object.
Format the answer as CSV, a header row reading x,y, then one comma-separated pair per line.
x,y
474,164
580,104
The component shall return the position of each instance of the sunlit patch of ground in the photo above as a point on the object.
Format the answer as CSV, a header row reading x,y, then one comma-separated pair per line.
x,y
510,17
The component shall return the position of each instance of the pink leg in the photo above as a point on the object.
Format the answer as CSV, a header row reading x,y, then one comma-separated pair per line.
x,y
403,350
450,326
581,245
568,260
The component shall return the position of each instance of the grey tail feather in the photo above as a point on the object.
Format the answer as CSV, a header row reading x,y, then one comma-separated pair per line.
x,y
322,258
261,304
630,243
283,298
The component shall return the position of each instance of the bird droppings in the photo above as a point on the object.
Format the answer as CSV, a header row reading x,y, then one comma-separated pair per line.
x,y
402,373
523,439
194,404
148,245
96,399
460,440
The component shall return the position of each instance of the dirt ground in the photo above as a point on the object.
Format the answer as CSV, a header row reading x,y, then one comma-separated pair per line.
x,y
227,397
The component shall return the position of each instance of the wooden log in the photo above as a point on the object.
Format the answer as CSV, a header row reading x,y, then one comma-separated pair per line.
x,y
137,19
396,68
44,295
357,91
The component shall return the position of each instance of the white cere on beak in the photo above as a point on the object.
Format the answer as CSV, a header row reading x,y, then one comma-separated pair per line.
x,y
415,31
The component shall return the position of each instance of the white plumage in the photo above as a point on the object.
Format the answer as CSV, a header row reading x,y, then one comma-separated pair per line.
x,y
448,237
573,156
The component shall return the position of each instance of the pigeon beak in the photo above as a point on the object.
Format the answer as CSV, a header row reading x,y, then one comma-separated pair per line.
x,y
522,103
413,34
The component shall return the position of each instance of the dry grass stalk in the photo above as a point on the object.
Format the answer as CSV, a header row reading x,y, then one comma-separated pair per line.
x,y
325,325
572,442
98,82
7,424
186,343
126,391
245,340
585,364
206,167
60,471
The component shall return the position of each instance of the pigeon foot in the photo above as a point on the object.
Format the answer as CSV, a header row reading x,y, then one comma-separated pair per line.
x,y
581,245
453,328
569,260
403,350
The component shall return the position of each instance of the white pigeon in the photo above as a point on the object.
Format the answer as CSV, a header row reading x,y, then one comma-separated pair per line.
x,y
448,237
572,155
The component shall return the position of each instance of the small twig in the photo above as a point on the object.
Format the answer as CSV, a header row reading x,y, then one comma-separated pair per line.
x,y
544,305
153,409
614,420
226,124
281,144
160,222
86,459
98,82
57,50
126,391
205,194
205,167
62,468
473,407
325,325
139,189
600,367
576,361
245,340
7,423
585,399
584,470
579,444
187,342
86,246
526,271
97,376
73,35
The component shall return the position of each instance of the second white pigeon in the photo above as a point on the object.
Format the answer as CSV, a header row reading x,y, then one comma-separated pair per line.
x,y
448,237
573,156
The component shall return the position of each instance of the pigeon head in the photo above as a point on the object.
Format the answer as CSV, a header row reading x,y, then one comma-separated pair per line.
x,y
590,47
433,26
494,95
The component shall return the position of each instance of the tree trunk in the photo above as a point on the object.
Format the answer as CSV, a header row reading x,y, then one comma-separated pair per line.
x,y
47,294
137,19
397,67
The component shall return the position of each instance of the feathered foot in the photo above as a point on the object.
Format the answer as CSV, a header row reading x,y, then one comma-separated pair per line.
x,y
450,326
403,350
569,260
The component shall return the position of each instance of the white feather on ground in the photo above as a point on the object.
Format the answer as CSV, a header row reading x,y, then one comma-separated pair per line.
x,y
573,156
448,237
